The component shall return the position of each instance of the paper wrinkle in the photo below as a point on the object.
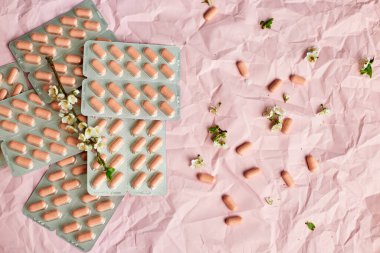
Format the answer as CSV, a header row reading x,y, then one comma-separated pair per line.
x,y
341,198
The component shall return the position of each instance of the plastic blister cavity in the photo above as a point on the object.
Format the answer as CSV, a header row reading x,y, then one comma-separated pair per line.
x,y
136,149
33,134
137,100
69,68
60,202
131,61
59,36
12,83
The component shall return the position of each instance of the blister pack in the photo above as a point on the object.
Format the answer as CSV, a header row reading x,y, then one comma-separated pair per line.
x,y
69,69
138,100
59,36
32,134
136,149
131,61
12,83
61,202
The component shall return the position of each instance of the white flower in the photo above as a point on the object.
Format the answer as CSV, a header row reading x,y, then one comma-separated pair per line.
x,y
60,96
312,54
82,137
53,91
71,99
69,119
276,127
324,110
92,132
82,125
65,105
197,162
99,145
268,113
220,143
75,92
71,129
278,110
84,147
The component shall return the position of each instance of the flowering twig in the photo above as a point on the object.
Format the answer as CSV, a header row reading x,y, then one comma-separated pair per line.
x,y
367,67
89,137
312,54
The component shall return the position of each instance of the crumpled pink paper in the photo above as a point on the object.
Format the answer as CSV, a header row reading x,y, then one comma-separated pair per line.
x,y
341,198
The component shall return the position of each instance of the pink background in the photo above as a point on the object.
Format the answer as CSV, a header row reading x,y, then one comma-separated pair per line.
x,y
342,198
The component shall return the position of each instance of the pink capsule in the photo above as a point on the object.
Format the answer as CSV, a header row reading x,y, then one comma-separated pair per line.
x,y
116,52
41,155
115,68
51,133
37,206
97,89
116,126
155,162
17,89
34,140
51,215
62,42
133,53
115,144
98,67
66,161
138,162
58,149
47,190
24,45
9,126
85,236
32,58
39,37
132,91
70,227
114,105
17,146
77,33
11,78
92,25
150,70
56,176
114,89
154,127
149,108
167,71
116,161
24,162
96,105
150,54
133,69
138,180
98,50
19,104
70,184
116,180
53,29
99,179
3,94
132,107
149,92
138,144
155,180
138,127
87,198
83,12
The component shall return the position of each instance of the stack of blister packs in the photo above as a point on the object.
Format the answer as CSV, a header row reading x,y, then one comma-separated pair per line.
x,y
128,90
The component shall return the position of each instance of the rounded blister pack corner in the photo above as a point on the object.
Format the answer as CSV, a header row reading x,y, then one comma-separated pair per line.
x,y
66,209
90,55
74,42
125,167
88,93
38,85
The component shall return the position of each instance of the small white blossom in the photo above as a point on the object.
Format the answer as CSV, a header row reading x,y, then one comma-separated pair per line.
x,y
75,92
53,91
65,105
268,113
84,147
276,127
312,54
197,162
324,110
60,96
91,132
71,129
220,144
71,99
82,137
278,110
82,126
69,119
99,145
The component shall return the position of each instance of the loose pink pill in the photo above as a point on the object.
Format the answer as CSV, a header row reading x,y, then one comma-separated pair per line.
x,y
243,148
210,13
287,178
206,178
243,70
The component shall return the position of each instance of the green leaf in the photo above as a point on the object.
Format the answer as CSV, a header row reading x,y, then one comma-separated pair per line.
x,y
213,129
310,225
109,172
266,24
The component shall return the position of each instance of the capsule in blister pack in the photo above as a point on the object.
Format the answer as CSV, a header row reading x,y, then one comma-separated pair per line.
x,y
136,149
123,99
61,202
12,83
33,134
58,36
131,61
68,67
